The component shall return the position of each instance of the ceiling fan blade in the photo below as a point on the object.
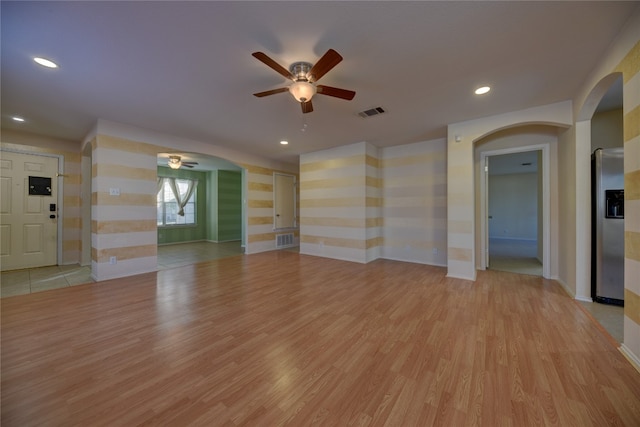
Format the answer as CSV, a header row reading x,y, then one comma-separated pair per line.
x,y
186,165
324,64
307,107
271,92
189,163
336,92
273,65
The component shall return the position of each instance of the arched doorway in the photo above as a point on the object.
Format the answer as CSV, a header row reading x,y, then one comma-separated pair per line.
x,y
210,223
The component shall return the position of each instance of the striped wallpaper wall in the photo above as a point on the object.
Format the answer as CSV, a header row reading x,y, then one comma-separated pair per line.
x,y
123,226
340,202
630,68
71,216
260,234
374,198
415,202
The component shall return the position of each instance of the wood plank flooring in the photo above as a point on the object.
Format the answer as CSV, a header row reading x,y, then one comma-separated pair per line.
x,y
285,339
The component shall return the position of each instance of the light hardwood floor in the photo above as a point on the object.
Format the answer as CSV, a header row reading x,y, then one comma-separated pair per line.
x,y
280,338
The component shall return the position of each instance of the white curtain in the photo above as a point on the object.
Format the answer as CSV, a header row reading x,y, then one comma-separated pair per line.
x,y
160,184
182,199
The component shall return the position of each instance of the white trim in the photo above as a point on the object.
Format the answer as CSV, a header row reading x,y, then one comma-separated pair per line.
x,y
631,357
583,299
546,202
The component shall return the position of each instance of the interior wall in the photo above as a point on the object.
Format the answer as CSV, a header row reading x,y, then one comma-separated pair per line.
x,y
124,210
85,208
631,138
414,191
212,206
373,196
187,233
607,129
229,206
334,202
513,206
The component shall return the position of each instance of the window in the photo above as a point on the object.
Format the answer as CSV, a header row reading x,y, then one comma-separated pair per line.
x,y
169,212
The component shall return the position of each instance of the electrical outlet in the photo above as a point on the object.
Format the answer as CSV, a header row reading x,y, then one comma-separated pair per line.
x,y
435,251
113,260
114,191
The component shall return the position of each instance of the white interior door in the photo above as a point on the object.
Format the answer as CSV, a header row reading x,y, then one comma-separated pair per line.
x,y
284,201
28,210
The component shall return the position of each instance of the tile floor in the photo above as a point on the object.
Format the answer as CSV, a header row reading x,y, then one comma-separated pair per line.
x,y
516,256
20,282
611,317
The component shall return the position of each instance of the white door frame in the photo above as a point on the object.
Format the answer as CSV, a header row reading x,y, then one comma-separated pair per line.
x,y
60,198
546,203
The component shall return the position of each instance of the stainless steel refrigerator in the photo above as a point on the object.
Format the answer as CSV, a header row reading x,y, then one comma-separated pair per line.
x,y
607,216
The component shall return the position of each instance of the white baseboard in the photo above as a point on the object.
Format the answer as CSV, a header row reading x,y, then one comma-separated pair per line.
x,y
626,352
566,288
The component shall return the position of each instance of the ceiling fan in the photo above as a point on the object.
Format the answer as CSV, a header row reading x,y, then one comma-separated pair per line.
x,y
304,76
175,162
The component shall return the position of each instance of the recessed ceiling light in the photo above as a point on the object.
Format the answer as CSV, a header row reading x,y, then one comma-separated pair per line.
x,y
482,90
45,62
17,119
283,142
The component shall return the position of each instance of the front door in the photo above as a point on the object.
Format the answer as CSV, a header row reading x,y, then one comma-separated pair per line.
x,y
28,210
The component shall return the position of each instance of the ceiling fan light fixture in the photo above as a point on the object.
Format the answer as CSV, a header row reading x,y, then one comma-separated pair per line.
x,y
174,162
302,91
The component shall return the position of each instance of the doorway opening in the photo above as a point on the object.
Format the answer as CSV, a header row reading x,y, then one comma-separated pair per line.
x,y
526,144
201,213
514,219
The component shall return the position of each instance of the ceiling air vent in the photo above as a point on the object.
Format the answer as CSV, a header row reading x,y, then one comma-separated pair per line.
x,y
371,112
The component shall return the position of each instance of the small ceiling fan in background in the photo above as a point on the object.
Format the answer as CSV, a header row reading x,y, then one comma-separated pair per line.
x,y
175,162
304,75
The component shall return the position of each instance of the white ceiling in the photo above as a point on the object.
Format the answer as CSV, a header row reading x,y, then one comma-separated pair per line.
x,y
185,68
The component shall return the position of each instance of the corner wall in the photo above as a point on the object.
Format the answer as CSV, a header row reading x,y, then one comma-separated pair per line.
x,y
630,67
340,203
414,211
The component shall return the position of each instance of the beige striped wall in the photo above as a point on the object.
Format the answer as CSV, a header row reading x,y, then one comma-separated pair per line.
x,y
415,202
373,197
630,68
340,202
123,226
71,216
260,234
